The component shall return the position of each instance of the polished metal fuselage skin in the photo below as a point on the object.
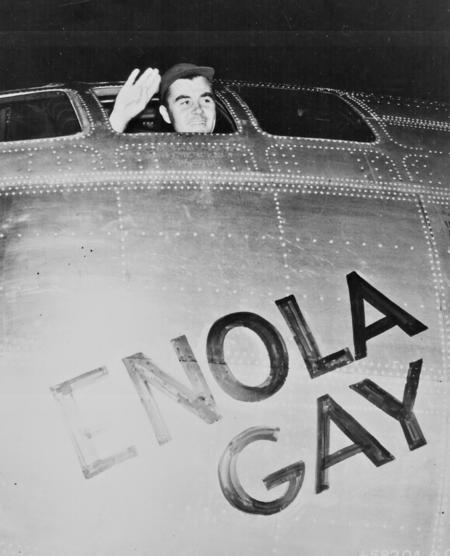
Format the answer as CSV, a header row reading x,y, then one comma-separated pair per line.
x,y
113,244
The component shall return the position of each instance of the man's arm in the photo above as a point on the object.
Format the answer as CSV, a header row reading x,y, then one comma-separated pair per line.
x,y
133,97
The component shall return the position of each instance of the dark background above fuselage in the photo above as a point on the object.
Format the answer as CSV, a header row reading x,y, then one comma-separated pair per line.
x,y
397,47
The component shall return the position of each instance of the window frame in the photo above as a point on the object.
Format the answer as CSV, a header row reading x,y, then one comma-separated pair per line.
x,y
256,124
78,106
221,101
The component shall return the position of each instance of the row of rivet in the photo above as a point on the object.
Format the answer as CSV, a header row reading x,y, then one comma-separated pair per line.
x,y
207,177
321,190
418,167
104,113
269,84
281,237
388,135
80,100
64,158
430,380
398,369
136,149
191,290
418,123
122,233
374,158
247,160
189,178
440,518
132,177
414,160
324,189
231,110
370,122
401,102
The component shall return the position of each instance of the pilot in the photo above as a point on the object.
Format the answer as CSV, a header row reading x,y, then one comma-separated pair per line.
x,y
186,98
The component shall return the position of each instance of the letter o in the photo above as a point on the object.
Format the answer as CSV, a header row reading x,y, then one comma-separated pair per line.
x,y
275,346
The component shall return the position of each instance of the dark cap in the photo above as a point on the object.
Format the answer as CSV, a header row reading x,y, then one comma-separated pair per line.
x,y
179,71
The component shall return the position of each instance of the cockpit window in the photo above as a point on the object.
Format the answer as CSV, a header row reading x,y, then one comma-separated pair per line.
x,y
37,115
150,120
300,113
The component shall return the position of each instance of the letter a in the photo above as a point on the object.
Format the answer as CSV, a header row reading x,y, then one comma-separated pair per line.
x,y
361,290
363,441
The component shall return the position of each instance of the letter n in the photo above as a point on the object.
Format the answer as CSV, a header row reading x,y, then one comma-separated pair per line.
x,y
198,399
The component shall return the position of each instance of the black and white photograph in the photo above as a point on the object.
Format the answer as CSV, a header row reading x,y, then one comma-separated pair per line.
x,y
224,278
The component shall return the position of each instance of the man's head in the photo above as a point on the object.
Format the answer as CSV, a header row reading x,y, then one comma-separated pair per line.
x,y
187,99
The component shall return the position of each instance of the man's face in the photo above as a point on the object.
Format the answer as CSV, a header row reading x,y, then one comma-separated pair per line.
x,y
190,106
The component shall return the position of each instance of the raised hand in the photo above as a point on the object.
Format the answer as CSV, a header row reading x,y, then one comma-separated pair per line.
x,y
133,97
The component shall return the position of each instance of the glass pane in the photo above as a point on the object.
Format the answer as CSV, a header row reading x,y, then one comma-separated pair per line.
x,y
37,116
305,114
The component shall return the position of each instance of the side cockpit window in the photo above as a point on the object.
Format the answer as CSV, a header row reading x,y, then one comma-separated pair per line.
x,y
37,116
150,120
305,113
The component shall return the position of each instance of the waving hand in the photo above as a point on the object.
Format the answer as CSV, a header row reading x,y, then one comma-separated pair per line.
x,y
133,97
